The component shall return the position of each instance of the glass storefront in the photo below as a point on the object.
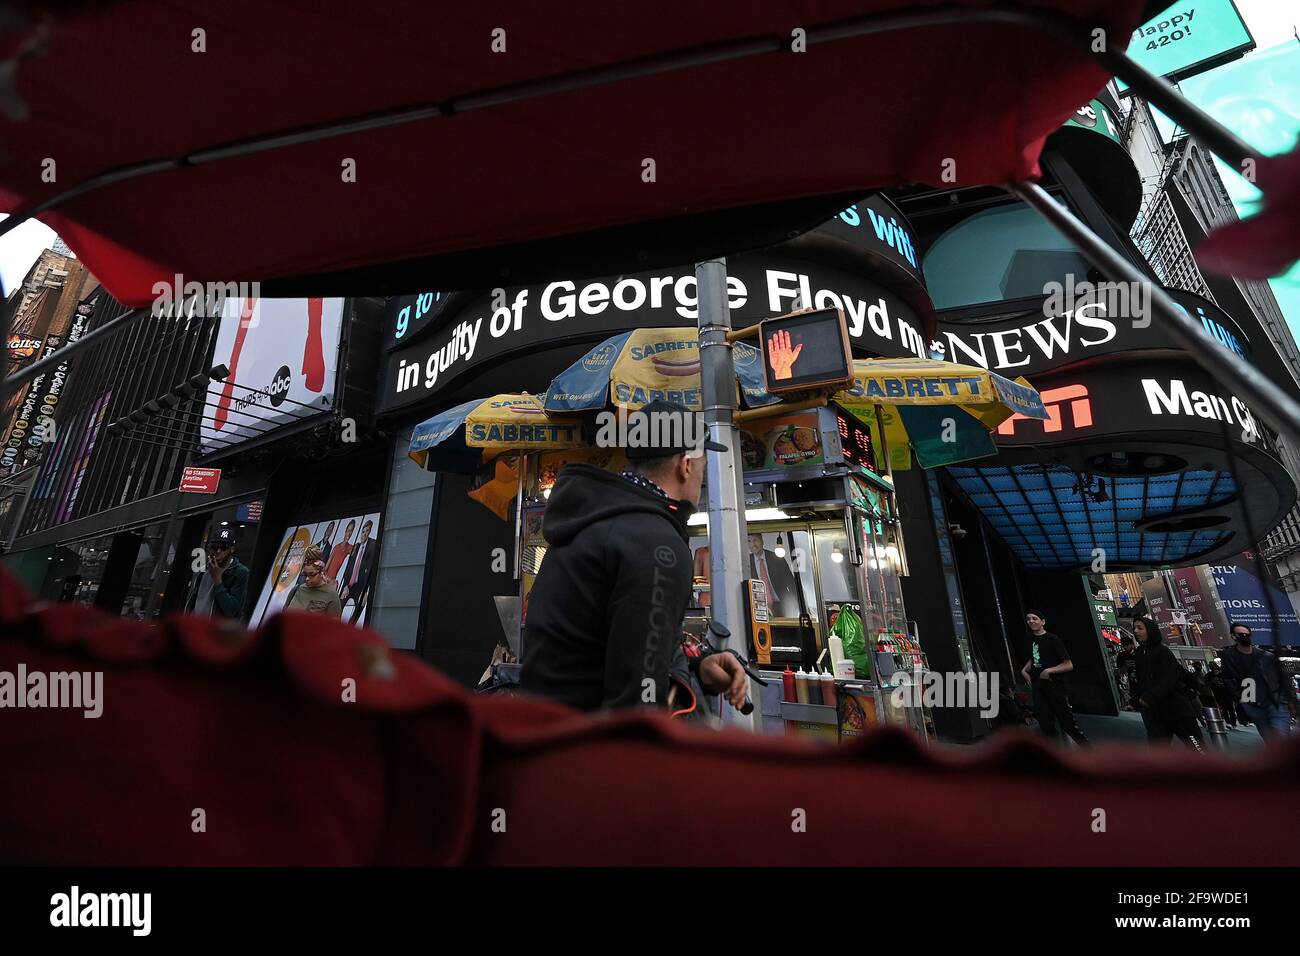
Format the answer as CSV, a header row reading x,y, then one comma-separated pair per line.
x,y
81,568
153,563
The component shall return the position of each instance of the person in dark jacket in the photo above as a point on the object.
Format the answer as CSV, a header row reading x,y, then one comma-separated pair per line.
x,y
220,588
1167,709
1201,686
1256,681
1125,661
1222,696
605,613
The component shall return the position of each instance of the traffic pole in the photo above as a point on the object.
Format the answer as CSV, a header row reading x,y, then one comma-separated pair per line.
x,y
723,470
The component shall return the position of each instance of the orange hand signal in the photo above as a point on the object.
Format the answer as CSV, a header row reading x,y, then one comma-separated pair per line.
x,y
781,355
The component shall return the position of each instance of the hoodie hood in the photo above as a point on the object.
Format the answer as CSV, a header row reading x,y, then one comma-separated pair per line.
x,y
1154,636
584,495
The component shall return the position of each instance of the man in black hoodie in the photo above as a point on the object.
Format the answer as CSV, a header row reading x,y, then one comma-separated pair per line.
x,y
605,613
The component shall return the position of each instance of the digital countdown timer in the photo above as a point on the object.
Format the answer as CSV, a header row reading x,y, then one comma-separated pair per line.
x,y
855,441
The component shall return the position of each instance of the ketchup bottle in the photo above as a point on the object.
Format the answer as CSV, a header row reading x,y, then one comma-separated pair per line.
x,y
787,686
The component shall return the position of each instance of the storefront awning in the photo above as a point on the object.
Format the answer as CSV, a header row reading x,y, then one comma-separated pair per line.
x,y
1053,518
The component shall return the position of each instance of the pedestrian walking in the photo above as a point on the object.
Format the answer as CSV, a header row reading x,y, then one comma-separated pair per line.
x,y
1222,696
1167,709
605,613
1201,685
1049,663
1125,662
1255,679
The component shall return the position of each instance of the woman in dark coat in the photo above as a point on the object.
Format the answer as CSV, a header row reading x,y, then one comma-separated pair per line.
x,y
1167,710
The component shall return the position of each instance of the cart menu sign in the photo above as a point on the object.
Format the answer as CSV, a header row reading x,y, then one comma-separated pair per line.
x,y
781,441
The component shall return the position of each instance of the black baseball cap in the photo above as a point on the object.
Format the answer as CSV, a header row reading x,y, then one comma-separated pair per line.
x,y
673,430
222,537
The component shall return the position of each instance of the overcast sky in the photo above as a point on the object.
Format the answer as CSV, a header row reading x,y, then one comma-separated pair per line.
x,y
1270,21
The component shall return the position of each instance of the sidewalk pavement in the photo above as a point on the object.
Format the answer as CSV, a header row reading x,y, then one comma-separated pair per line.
x,y
1127,728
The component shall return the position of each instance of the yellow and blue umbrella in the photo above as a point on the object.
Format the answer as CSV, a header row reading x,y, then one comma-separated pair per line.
x,y
638,367
941,410
463,438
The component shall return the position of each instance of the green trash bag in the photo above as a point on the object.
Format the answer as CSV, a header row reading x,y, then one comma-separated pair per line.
x,y
848,628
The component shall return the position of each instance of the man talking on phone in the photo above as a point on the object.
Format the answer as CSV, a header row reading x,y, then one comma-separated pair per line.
x,y
220,588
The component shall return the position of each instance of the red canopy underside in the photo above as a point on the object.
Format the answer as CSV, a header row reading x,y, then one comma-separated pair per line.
x,y
415,771
119,84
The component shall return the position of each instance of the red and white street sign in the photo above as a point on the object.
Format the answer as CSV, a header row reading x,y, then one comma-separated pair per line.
x,y
201,481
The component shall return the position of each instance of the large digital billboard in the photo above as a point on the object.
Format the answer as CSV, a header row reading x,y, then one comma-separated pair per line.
x,y
1189,38
282,357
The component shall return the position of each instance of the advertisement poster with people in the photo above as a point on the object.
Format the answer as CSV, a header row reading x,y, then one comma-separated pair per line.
x,y
345,553
282,356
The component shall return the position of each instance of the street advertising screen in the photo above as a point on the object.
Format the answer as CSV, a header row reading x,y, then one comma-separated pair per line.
x,y
1185,39
282,357
349,547
806,350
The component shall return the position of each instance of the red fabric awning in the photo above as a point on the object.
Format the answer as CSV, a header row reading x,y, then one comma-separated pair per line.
x,y
119,84
413,769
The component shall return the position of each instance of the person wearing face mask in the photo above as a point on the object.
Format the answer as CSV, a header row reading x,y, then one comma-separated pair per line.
x,y
1048,663
1167,710
1255,680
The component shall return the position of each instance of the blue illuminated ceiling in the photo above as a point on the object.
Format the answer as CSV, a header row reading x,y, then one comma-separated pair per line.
x,y
1049,524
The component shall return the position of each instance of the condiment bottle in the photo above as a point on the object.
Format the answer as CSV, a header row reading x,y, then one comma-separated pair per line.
x,y
814,688
828,689
837,652
787,685
801,686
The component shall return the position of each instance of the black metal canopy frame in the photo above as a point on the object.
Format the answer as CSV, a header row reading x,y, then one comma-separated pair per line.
x,y
1276,407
